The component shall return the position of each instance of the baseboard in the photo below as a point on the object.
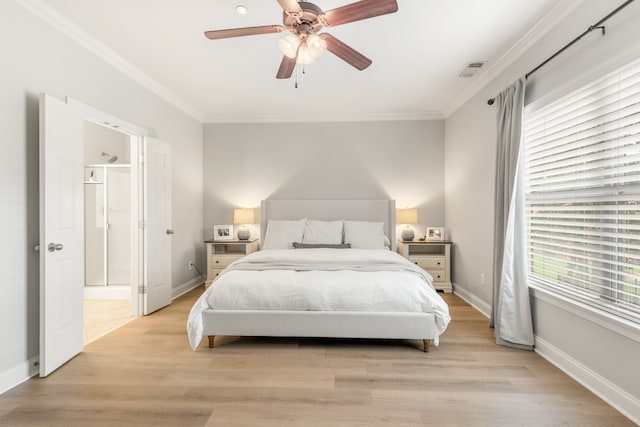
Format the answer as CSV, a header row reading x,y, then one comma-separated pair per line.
x,y
472,300
186,287
627,404
18,374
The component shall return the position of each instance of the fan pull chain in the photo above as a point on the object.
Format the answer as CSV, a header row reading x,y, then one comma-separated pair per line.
x,y
304,71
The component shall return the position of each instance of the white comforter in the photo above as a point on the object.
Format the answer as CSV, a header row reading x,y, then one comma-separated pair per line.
x,y
346,280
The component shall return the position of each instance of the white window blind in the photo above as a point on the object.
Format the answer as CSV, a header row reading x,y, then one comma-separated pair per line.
x,y
582,192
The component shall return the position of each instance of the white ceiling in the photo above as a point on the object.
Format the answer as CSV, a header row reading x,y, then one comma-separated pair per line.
x,y
417,55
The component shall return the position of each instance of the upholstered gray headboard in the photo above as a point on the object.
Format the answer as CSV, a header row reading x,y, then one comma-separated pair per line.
x,y
331,210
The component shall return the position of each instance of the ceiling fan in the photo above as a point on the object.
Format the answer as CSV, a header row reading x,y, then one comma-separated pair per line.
x,y
304,20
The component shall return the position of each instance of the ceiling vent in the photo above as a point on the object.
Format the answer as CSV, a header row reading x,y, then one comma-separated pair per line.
x,y
471,68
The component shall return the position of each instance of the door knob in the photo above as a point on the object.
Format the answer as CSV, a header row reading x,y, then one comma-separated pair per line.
x,y
55,247
169,231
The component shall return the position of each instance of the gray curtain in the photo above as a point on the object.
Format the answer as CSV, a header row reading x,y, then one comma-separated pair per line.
x,y
511,310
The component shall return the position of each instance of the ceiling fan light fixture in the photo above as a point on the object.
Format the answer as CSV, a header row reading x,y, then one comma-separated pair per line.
x,y
289,45
316,46
304,55
305,19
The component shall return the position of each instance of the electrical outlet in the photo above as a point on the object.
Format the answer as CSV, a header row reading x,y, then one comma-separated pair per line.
x,y
191,265
482,278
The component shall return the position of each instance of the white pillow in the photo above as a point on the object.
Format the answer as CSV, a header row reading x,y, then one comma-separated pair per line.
x,y
364,235
322,232
282,234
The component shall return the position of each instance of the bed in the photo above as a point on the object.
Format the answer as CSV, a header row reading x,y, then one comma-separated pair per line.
x,y
357,287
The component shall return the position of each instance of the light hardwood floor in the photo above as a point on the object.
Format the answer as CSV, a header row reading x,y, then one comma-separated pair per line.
x,y
102,316
145,374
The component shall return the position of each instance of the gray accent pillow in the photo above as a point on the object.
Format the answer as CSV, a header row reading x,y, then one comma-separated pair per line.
x,y
297,245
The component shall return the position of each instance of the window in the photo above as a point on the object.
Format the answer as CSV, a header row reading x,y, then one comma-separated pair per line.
x,y
582,192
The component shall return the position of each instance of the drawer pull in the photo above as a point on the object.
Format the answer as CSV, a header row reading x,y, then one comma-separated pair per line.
x,y
438,262
415,262
217,262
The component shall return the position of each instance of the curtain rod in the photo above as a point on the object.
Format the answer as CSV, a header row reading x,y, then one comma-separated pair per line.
x,y
597,26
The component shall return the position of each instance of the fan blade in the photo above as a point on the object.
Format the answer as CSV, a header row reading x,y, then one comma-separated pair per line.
x,y
345,52
357,11
239,32
290,5
286,67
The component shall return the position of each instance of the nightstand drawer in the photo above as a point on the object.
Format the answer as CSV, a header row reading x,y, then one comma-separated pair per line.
x,y
438,275
221,261
215,272
429,263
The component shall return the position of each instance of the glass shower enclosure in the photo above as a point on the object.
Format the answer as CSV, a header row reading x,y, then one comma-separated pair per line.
x,y
107,192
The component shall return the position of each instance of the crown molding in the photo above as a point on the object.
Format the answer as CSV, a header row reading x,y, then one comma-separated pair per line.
x,y
550,21
375,117
77,34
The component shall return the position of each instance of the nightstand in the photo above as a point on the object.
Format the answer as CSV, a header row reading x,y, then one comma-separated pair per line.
x,y
434,257
221,253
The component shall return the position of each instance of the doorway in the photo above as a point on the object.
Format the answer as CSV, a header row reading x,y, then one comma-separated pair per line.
x,y
107,230
62,258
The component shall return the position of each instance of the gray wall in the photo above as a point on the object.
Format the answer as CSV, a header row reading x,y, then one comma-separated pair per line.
x,y
246,163
469,185
36,58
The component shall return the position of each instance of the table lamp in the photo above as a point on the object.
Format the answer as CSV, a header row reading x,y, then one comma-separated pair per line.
x,y
243,216
407,216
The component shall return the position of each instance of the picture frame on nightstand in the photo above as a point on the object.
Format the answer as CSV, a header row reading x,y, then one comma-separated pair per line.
x,y
223,232
435,234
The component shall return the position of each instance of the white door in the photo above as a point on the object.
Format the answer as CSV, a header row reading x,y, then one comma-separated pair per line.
x,y
61,234
158,232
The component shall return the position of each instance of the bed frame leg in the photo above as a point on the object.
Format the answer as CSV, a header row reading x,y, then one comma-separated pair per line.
x,y
211,337
426,345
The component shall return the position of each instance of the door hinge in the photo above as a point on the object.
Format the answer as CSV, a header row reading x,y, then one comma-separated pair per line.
x,y
142,224
142,159
142,289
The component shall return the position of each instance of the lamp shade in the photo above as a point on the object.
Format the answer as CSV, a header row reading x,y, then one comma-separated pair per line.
x,y
243,216
316,45
407,216
289,45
